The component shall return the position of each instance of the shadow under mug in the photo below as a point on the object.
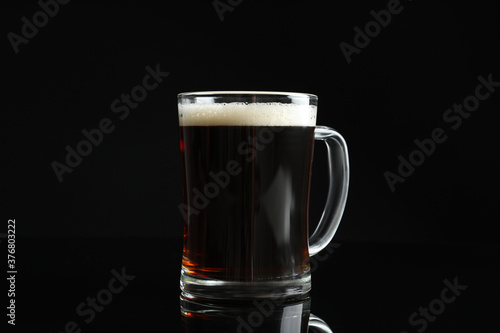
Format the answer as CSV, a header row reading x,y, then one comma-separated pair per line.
x,y
246,162
265,315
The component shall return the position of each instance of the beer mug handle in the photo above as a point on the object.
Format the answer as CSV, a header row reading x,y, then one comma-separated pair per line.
x,y
338,170
319,324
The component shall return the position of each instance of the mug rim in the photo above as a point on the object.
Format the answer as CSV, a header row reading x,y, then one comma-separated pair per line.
x,y
209,93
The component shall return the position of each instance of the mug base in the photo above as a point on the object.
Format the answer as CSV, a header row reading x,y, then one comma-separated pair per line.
x,y
195,287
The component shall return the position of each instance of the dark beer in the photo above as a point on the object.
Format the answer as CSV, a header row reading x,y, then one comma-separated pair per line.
x,y
246,192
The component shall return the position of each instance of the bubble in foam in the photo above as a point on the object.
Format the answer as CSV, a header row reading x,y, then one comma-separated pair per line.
x,y
247,114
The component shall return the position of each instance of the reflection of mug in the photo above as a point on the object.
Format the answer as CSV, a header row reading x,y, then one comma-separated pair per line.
x,y
246,160
264,315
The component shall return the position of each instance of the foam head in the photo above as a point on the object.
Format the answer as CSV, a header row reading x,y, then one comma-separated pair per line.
x,y
246,114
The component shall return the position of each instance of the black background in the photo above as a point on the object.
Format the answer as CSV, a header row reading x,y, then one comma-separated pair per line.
x,y
119,207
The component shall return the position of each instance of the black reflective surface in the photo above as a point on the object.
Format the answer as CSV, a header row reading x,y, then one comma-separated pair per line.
x,y
131,285
259,315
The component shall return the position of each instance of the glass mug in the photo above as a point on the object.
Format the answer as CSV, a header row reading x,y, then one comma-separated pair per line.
x,y
246,162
